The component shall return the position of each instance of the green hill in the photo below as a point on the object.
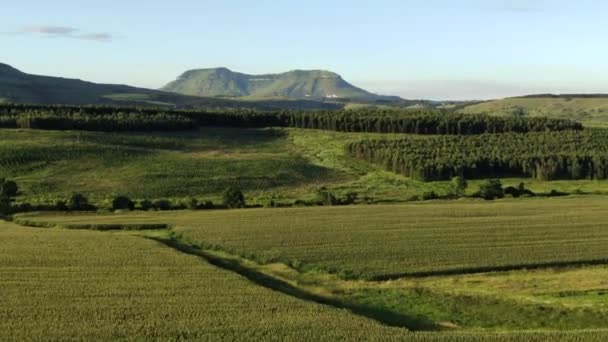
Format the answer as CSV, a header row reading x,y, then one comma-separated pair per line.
x,y
592,110
299,84
19,87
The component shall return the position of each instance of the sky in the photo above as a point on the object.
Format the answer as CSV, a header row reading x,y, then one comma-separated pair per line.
x,y
422,49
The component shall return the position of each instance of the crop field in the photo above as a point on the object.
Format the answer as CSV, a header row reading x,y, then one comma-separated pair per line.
x,y
82,285
386,241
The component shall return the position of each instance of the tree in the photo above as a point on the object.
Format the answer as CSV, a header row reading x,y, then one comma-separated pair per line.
x,y
233,198
122,203
325,197
79,202
458,186
491,189
8,190
146,205
162,204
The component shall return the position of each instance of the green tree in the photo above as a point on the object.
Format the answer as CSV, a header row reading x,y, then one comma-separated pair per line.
x,y
458,186
491,189
8,190
79,202
325,197
233,198
122,203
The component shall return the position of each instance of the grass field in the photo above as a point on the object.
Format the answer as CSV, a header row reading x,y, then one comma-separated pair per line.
x,y
283,164
589,111
82,285
390,240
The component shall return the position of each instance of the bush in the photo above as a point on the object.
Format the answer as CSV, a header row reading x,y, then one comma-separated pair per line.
x,y
325,197
192,204
207,205
300,203
512,191
458,186
519,191
429,195
146,205
79,202
162,204
61,205
557,193
491,189
233,198
122,203
350,198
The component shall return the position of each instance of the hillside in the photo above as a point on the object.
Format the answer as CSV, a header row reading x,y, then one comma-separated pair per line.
x,y
299,84
19,87
589,109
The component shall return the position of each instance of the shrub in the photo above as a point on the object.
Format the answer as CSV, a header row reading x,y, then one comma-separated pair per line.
x,y
458,186
325,197
122,203
557,193
207,205
350,198
79,202
162,204
233,198
429,195
61,205
519,191
192,204
491,189
146,205
300,203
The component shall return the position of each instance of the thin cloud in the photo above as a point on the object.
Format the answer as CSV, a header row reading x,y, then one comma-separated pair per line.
x,y
51,30
63,32
98,37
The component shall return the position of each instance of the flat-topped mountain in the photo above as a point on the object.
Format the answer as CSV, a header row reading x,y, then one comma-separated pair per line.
x,y
20,87
299,84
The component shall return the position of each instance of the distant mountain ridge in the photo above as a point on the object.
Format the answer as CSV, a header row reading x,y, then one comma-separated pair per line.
x,y
19,87
297,84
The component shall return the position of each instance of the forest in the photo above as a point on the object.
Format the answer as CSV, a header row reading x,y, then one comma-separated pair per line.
x,y
429,122
541,155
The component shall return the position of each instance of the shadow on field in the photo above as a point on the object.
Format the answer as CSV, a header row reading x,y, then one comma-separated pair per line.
x,y
380,315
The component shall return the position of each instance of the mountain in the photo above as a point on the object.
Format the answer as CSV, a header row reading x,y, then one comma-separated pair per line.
x,y
297,84
19,87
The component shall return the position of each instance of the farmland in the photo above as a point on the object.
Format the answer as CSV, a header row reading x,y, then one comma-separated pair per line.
x,y
75,285
456,270
392,240
539,301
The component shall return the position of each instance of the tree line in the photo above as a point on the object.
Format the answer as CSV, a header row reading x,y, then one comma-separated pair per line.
x,y
544,155
104,118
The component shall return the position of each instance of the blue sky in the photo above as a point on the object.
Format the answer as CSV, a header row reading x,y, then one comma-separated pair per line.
x,y
435,49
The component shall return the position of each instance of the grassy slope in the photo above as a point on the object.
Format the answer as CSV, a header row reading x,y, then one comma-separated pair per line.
x,y
590,111
59,284
379,241
285,164
544,299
